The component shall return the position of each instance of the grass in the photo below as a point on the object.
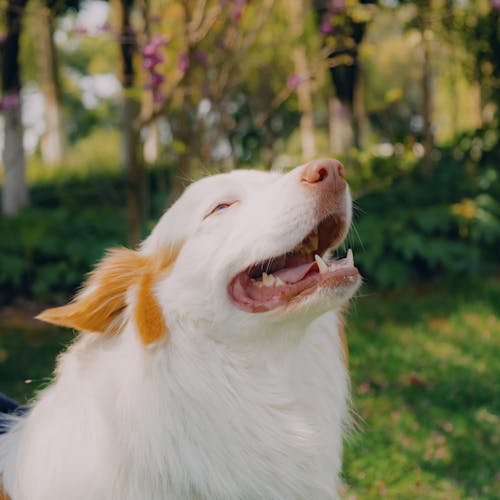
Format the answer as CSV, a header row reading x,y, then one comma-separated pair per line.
x,y
425,367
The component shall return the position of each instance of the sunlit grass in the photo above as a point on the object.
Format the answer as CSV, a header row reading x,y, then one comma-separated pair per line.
x,y
425,373
425,376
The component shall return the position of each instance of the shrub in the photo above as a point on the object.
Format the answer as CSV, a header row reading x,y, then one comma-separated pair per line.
x,y
444,225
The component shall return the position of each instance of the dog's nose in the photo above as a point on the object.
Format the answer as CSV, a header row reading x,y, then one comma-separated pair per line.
x,y
326,173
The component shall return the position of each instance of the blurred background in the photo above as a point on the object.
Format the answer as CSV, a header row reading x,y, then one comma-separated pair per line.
x,y
108,109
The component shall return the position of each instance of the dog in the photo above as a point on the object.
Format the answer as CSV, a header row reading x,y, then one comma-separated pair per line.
x,y
210,362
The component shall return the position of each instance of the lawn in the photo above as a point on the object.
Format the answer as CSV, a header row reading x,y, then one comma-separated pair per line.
x,y
425,367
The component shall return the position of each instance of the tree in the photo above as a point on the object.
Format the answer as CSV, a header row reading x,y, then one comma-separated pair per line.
x,y
301,81
15,192
131,151
53,140
343,24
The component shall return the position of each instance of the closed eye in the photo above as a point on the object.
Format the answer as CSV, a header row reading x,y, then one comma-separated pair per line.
x,y
219,207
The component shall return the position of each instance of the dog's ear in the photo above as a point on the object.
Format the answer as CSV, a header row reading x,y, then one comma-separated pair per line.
x,y
122,275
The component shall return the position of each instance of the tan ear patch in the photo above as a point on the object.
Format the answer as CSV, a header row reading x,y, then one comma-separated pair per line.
x,y
100,305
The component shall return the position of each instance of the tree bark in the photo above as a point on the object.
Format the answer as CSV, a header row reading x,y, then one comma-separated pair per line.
x,y
341,126
304,90
131,151
15,192
52,143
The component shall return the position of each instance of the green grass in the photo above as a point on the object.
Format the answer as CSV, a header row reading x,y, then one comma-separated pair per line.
x,y
425,367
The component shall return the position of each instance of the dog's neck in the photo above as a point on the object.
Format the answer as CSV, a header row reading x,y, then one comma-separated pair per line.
x,y
199,415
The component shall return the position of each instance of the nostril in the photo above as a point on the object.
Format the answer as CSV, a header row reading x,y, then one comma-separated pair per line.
x,y
322,174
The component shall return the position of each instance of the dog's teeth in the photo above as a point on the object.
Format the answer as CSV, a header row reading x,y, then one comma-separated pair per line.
x,y
279,281
349,258
322,265
268,279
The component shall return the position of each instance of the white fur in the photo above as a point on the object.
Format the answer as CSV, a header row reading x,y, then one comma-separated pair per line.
x,y
231,405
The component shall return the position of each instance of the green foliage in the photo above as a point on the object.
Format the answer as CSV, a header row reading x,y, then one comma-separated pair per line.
x,y
77,213
47,249
442,225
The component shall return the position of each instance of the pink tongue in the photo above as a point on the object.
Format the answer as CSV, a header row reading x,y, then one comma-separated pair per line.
x,y
294,274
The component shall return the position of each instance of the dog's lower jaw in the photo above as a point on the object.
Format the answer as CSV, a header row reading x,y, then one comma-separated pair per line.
x,y
189,420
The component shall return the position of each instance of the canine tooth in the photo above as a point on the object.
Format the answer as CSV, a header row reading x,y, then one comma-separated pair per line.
x,y
349,258
268,279
322,265
279,281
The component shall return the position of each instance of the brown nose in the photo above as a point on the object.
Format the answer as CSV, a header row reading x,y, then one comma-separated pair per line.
x,y
326,173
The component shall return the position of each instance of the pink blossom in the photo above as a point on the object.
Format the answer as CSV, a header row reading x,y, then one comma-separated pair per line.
x,y
336,6
183,62
3,37
10,101
495,4
155,80
158,96
237,8
294,81
153,60
326,26
154,44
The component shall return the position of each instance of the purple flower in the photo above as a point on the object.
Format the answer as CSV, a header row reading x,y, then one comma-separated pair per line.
x,y
294,81
155,80
237,7
495,4
153,60
157,41
10,101
336,6
3,36
183,62
154,18
326,26
158,96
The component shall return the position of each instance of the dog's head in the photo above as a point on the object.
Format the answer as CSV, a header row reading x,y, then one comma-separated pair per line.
x,y
235,249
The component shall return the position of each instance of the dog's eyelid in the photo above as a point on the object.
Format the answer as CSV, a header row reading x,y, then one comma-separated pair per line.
x,y
221,205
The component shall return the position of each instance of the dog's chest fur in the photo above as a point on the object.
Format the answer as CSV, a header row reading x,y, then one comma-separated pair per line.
x,y
203,423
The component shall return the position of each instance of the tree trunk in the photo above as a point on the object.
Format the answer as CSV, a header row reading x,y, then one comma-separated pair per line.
x,y
359,121
131,154
15,193
304,90
426,86
341,126
152,143
52,143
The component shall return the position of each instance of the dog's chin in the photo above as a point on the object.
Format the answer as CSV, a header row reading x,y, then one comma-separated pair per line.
x,y
300,277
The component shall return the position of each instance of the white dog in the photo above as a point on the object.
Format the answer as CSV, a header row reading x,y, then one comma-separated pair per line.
x,y
210,363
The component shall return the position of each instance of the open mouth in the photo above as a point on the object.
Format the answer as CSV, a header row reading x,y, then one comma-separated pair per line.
x,y
277,281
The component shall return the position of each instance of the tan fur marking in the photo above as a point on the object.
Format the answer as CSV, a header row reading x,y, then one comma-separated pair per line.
x,y
100,305
3,496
